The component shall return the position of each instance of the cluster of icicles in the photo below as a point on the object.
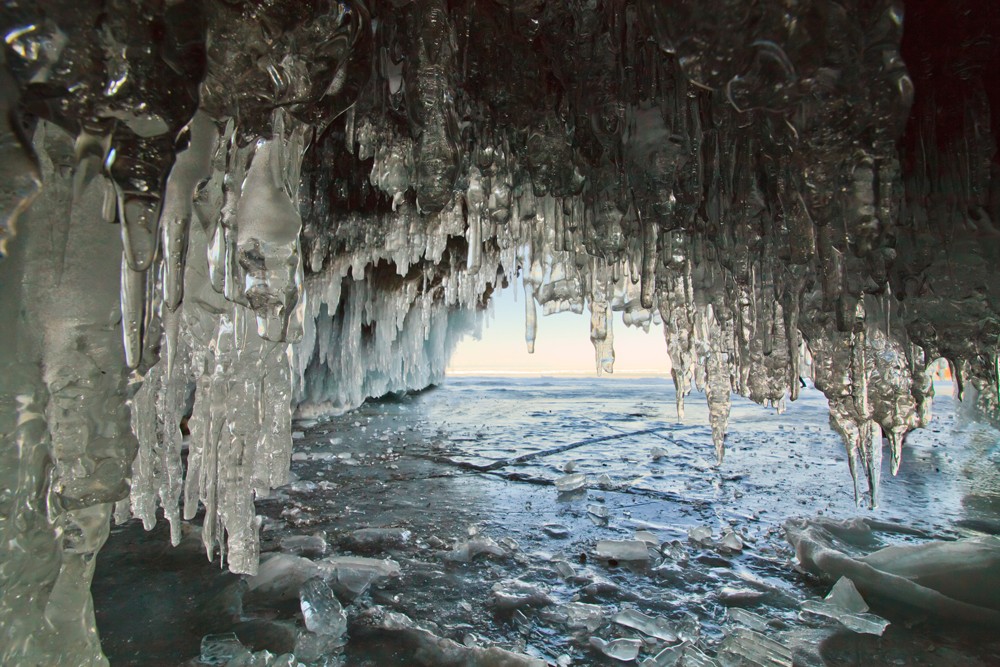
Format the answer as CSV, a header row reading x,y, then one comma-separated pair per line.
x,y
213,297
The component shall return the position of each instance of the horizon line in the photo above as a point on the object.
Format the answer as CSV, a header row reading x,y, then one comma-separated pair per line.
x,y
572,372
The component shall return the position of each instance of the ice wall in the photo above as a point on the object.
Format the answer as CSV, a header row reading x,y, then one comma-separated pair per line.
x,y
314,201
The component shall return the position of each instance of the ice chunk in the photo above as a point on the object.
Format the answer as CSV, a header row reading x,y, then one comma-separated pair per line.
x,y
509,543
846,605
748,618
381,567
633,550
467,550
731,542
861,623
745,648
688,628
281,576
625,650
700,535
668,657
515,593
221,648
845,595
355,574
656,627
304,545
321,610
380,537
576,615
312,648
572,482
599,512
556,530
695,657
564,569
674,550
435,650
647,537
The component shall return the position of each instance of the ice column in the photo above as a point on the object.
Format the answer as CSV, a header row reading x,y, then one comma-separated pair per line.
x,y
64,439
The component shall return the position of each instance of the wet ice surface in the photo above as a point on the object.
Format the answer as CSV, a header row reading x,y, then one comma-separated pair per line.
x,y
458,486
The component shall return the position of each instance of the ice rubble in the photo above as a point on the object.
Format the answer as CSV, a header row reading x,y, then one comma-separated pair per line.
x,y
953,580
315,202
429,649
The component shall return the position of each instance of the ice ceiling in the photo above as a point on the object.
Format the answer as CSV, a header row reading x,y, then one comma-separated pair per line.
x,y
220,211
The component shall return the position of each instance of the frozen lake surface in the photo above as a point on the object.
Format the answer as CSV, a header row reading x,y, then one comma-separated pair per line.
x,y
462,477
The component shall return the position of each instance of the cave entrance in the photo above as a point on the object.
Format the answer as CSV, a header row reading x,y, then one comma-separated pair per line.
x,y
540,514
561,341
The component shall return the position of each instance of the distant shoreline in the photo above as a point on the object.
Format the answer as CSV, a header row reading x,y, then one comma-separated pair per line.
x,y
586,374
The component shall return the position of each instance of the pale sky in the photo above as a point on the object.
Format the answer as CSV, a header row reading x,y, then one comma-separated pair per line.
x,y
562,344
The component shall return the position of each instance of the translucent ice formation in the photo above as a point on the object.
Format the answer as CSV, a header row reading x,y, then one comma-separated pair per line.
x,y
846,605
656,627
216,213
956,580
321,611
625,650
746,647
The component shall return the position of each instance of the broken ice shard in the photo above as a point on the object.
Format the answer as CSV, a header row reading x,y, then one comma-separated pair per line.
x,y
700,535
514,594
625,650
571,483
304,545
656,627
731,542
668,657
576,615
846,605
467,550
748,618
220,649
746,647
321,610
599,512
636,550
354,574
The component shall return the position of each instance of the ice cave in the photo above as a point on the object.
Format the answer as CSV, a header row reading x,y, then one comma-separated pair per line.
x,y
240,241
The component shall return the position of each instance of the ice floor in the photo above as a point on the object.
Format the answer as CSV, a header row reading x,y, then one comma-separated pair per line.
x,y
456,485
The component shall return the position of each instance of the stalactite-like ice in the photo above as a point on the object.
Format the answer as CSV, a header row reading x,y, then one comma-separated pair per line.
x,y
63,422
315,201
361,342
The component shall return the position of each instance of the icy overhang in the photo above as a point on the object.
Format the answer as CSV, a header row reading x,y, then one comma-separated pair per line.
x,y
315,201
